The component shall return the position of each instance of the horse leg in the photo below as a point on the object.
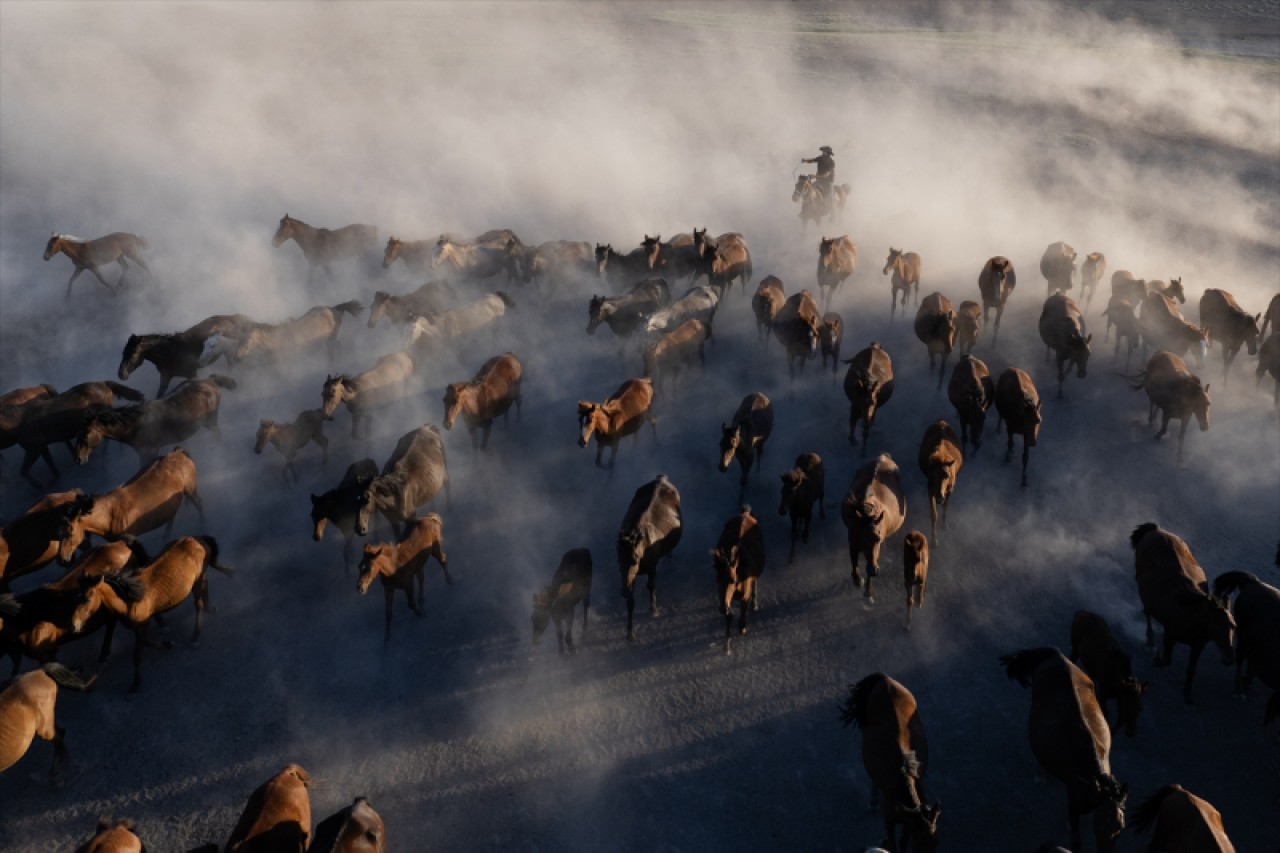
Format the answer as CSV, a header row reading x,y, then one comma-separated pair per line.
x,y
727,609
853,562
1073,818
560,635
1191,672
139,641
61,758
1186,421
653,594
193,498
200,599
1164,425
124,271
105,283
933,520
388,594
484,443
1026,457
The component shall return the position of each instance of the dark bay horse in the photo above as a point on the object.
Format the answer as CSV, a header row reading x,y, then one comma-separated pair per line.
x,y
1257,613
178,354
92,254
149,426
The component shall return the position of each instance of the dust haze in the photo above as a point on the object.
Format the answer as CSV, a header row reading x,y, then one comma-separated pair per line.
x,y
966,130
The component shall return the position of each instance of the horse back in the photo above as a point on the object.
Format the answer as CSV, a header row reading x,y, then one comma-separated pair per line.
x,y
1069,735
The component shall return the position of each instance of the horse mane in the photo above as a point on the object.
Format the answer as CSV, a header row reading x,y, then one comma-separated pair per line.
x,y
854,708
9,607
66,677
1021,666
123,416
1140,531
1229,582
1144,815
127,587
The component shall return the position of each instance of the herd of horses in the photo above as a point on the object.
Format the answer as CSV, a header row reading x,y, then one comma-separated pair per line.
x,y
119,583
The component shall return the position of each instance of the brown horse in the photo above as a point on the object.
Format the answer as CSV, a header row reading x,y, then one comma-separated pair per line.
x,y
355,829
1228,324
182,354
289,438
430,298
26,712
940,458
1176,392
1018,405
178,573
1183,823
869,386
1269,362
915,569
830,334
39,422
745,436
1120,313
1095,649
1071,741
341,505
680,256
1163,328
293,336
398,565
1257,608
1091,272
873,509
92,254
148,500
555,602
322,246
277,817
433,331
485,398
621,270
1270,317
802,487
972,392
895,754
30,541
1063,331
968,326
766,303
1125,286
729,261
113,837
836,260
22,396
412,477
935,327
624,314
675,351
796,328
650,530
416,254
149,426
814,203
906,277
996,283
384,383
1175,592
1058,266
738,559
623,414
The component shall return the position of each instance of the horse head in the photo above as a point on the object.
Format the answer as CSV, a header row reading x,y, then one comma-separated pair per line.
x,y
602,257
374,561
631,548
1200,402
54,246
1175,291
134,349
337,389
895,255
267,430
283,232
726,560
454,397
70,532
1108,813
596,313
541,613
92,432
588,413
804,184
394,245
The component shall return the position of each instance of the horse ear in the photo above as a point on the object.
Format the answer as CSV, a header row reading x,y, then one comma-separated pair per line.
x,y
1206,389
1088,339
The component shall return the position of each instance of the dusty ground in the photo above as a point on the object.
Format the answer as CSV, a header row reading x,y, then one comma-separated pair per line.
x,y
462,735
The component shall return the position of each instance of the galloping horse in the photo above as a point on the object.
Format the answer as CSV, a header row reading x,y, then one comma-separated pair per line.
x,y
320,246
814,204
91,254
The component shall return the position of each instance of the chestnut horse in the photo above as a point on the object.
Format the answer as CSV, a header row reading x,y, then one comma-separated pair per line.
x,y
92,254
555,602
906,277
745,436
321,246
996,283
1018,405
1183,823
940,458
397,565
623,414
738,559
277,817
836,259
869,386
650,530
289,438
486,397
30,541
27,712
1176,392
915,569
873,509
766,303
796,328
42,421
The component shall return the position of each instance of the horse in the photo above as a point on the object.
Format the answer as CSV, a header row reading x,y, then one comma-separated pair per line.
x,y
836,259
698,302
149,499
1163,328
1091,272
30,541
113,837
830,334
814,203
1058,266
1175,391
873,509
730,260
1071,741
92,254
416,254
486,397
744,437
412,477
182,354
1257,607
1175,592
355,829
1269,362
915,569
1125,286
341,505
555,602
149,426
1095,649
431,331
971,391
1270,317
1018,405
895,754
177,573
557,260
619,269
802,487
293,336
651,529
996,282
906,277
935,327
26,712
869,386
738,559
429,298
1230,325
384,383
23,396
289,438
1181,822
475,261
796,328
624,314
322,246
398,565
623,414
675,351
1120,313
766,303
277,817
968,326
940,458
1063,331
40,422
678,257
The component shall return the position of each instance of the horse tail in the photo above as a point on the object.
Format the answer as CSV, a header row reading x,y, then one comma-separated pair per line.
x,y
222,381
1229,582
66,678
9,606
506,300
125,392
1021,665
1144,815
211,548
1137,381
854,708
353,307
140,555
1141,530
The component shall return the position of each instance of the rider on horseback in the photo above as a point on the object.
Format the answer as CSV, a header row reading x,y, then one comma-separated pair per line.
x,y
826,163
